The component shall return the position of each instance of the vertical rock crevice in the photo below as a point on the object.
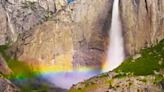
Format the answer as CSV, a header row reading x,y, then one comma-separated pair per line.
x,y
146,5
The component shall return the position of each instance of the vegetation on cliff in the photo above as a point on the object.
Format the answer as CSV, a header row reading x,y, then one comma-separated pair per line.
x,y
148,61
145,69
21,72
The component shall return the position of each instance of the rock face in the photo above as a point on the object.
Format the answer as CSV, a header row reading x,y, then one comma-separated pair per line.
x,y
52,33
124,84
83,41
3,26
86,24
143,23
18,16
4,69
90,35
7,86
75,38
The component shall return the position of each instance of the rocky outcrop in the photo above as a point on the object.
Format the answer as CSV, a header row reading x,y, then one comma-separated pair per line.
x,y
143,23
7,86
49,5
3,26
122,84
4,69
91,34
76,37
139,73
18,16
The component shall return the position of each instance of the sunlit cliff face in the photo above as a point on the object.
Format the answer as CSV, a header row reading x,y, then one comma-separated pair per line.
x,y
63,75
115,56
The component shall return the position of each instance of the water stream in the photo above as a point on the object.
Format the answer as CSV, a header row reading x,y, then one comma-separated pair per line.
x,y
115,53
115,56
13,33
66,79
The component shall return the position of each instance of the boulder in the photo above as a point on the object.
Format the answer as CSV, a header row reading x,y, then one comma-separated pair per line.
x,y
7,86
4,69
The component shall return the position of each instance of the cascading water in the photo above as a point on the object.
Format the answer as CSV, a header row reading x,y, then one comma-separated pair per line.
x,y
65,79
115,56
14,35
115,53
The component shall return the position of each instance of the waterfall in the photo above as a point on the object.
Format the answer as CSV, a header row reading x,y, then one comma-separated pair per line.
x,y
114,58
13,33
115,53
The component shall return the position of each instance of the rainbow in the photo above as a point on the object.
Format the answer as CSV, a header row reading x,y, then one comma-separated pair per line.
x,y
63,77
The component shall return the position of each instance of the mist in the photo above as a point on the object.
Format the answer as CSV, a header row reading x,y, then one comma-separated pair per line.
x,y
115,53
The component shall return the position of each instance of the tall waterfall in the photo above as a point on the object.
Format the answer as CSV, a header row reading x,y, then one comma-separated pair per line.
x,y
115,56
13,33
115,53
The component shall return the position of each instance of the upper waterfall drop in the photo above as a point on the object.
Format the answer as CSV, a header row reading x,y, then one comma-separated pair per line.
x,y
115,53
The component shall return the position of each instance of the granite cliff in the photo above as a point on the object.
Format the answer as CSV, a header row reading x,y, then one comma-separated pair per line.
x,y
83,39
18,16
72,34
142,22
73,37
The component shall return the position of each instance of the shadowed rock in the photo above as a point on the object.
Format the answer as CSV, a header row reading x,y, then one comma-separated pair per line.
x,y
4,69
7,86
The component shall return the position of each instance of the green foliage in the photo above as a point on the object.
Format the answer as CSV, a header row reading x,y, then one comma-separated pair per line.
x,y
158,79
109,81
87,88
21,71
103,75
150,60
29,88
